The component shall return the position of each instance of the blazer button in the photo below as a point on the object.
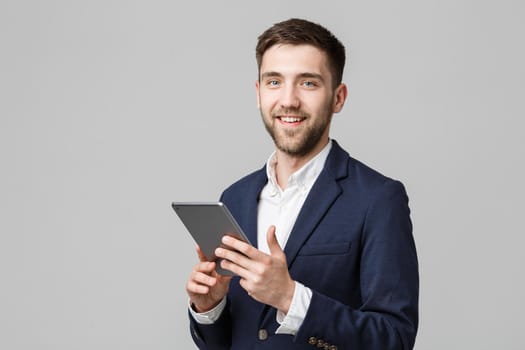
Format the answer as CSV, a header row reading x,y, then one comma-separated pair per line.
x,y
333,347
263,334
320,343
312,340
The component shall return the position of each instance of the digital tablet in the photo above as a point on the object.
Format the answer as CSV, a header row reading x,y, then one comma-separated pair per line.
x,y
208,223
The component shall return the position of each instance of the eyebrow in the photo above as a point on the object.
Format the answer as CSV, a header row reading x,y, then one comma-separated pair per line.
x,y
272,74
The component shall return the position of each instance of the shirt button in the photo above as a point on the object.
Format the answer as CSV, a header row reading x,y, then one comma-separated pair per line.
x,y
263,334
312,340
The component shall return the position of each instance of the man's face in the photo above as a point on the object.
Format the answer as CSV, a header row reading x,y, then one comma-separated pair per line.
x,y
296,98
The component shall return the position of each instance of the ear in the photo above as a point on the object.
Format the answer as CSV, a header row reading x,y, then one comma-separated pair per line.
x,y
258,95
340,95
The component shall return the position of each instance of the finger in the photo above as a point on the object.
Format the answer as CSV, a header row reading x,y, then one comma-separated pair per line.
x,y
273,244
236,269
233,256
203,279
195,288
200,283
205,267
241,246
200,254
223,278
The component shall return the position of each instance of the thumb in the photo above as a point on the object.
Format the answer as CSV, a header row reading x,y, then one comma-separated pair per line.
x,y
271,238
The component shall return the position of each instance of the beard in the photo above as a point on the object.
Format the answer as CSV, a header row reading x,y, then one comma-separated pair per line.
x,y
297,142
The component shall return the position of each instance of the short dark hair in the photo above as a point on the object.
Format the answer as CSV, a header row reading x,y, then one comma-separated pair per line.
x,y
297,31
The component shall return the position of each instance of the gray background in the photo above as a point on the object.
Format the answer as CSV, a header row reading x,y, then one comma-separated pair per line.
x,y
110,110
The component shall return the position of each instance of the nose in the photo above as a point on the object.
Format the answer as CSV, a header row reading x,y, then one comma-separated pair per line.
x,y
289,97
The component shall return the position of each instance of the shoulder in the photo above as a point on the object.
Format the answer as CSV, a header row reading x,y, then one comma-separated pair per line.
x,y
241,197
370,178
356,176
252,182
384,199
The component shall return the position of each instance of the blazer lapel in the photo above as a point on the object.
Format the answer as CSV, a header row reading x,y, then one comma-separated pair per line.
x,y
252,196
323,193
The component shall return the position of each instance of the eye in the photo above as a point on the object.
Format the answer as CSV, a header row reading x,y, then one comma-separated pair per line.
x,y
309,83
272,83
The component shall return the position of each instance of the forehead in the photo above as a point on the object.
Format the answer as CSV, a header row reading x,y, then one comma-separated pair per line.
x,y
295,59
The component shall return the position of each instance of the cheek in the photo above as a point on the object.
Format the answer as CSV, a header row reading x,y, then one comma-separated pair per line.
x,y
267,101
321,103
329,103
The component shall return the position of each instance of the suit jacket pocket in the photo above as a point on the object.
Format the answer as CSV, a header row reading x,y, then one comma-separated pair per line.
x,y
333,248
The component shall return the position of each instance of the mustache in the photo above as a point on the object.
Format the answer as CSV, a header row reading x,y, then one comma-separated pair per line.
x,y
290,111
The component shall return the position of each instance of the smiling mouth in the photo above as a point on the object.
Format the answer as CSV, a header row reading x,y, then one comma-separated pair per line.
x,y
290,120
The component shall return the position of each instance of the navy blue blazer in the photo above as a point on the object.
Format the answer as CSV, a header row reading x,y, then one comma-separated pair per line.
x,y
352,244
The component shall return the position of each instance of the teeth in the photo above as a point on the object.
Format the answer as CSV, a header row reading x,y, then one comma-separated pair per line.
x,y
290,119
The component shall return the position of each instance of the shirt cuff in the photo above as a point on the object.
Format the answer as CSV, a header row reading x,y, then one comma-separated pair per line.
x,y
208,317
292,321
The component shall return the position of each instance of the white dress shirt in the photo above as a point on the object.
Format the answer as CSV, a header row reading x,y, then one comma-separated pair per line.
x,y
280,208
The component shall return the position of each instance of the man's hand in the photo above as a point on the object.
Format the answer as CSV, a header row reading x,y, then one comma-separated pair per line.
x,y
205,287
265,277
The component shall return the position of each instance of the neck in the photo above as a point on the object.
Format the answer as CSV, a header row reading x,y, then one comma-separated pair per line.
x,y
288,164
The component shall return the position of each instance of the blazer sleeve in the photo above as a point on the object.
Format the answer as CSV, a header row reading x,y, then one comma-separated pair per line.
x,y
216,336
387,317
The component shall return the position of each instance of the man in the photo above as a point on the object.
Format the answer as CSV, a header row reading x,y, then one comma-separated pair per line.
x,y
334,264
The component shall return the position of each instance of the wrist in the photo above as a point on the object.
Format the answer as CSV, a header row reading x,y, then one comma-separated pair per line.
x,y
202,309
210,316
288,297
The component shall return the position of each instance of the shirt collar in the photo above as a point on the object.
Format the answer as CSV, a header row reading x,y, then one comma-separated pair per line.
x,y
306,175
